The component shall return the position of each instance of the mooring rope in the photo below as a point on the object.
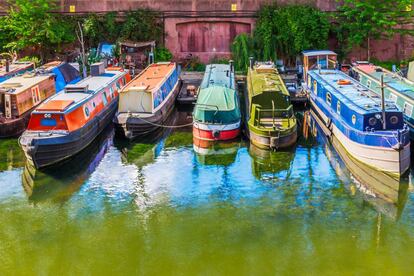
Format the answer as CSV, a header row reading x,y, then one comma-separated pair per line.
x,y
164,126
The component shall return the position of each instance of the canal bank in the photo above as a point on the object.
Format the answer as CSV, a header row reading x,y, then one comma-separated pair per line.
x,y
161,208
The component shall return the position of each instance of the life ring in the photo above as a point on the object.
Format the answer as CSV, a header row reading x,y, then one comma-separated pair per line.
x,y
344,82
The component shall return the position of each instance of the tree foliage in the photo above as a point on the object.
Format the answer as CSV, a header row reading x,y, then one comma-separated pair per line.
x,y
30,23
282,32
360,21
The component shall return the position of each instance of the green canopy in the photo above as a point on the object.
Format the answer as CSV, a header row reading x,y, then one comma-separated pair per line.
x,y
217,105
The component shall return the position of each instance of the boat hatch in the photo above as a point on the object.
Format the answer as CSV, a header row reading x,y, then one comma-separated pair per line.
x,y
55,105
77,89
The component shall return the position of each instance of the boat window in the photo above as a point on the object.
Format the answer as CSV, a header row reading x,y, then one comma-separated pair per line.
x,y
323,62
353,119
393,98
338,107
328,98
93,104
87,113
309,81
118,85
369,83
104,98
315,87
408,109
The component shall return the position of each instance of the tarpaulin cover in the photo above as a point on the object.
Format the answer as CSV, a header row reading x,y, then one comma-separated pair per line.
x,y
218,105
65,74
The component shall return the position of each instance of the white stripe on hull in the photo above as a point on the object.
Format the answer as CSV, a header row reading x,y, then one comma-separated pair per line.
x,y
381,158
215,127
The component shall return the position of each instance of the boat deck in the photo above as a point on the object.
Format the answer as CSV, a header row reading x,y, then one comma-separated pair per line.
x,y
397,83
218,75
21,83
354,95
15,67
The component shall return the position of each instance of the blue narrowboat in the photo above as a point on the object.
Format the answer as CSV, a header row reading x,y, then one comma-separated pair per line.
x,y
355,116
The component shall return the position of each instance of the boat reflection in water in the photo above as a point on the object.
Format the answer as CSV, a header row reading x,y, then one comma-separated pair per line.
x,y
388,195
145,150
11,155
216,153
60,182
271,165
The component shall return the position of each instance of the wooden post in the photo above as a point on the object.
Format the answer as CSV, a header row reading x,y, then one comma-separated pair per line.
x,y
384,121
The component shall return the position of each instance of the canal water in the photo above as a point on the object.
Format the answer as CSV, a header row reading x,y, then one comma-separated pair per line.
x,y
169,206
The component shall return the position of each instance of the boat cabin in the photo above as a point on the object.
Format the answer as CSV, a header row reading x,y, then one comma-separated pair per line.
x,y
20,94
267,92
318,59
147,92
79,103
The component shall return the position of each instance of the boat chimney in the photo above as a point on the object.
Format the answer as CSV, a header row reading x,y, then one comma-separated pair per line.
x,y
7,66
231,66
151,57
97,69
251,62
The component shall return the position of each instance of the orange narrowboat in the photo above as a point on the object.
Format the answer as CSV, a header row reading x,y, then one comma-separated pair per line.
x,y
69,121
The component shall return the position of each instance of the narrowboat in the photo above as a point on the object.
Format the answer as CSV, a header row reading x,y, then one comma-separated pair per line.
x,y
146,103
68,122
216,114
9,70
371,129
397,89
271,123
20,95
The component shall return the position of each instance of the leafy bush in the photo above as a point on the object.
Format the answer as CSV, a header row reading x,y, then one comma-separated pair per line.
x,y
36,60
162,54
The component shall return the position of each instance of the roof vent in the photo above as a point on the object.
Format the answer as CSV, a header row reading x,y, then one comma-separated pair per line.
x,y
97,69
77,88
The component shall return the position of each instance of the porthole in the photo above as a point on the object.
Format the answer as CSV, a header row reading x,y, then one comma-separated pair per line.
x,y
368,83
87,112
315,87
354,119
338,107
372,121
93,104
394,120
328,98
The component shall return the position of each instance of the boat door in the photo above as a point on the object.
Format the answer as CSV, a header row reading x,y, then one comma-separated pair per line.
x,y
7,106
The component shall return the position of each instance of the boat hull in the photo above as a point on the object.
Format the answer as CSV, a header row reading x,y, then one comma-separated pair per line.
x,y
14,127
389,160
215,132
136,125
44,150
273,139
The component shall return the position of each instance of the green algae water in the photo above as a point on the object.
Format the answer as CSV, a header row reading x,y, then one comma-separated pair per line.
x,y
168,207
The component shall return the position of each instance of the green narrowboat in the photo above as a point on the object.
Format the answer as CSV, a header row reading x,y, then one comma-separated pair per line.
x,y
272,123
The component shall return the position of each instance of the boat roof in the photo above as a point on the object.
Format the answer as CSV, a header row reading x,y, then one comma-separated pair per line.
x,y
151,78
396,82
18,84
310,53
354,95
15,67
89,85
222,98
218,75
265,77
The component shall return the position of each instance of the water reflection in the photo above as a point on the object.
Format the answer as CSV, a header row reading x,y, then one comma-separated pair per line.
x,y
11,155
387,194
59,183
274,165
216,153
